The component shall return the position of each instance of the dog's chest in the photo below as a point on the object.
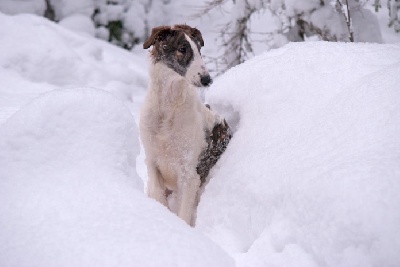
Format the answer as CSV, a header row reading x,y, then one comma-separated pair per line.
x,y
174,125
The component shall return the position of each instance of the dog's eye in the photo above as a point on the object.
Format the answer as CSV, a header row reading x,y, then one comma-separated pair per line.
x,y
182,49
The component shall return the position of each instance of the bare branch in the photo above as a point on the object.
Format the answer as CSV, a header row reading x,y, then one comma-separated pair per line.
x,y
348,19
206,8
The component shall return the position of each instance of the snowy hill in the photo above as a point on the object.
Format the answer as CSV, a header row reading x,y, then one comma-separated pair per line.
x,y
70,195
310,178
69,192
38,56
312,175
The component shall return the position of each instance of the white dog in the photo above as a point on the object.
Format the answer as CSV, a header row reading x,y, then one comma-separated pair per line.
x,y
174,122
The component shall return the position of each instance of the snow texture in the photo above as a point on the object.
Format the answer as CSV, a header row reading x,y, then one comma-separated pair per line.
x,y
78,23
69,190
70,195
39,56
311,175
65,8
13,7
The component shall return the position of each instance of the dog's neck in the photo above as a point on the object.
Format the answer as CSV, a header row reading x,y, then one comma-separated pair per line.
x,y
162,76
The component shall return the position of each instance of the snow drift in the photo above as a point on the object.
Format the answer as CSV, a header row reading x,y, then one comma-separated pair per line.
x,y
37,55
70,196
69,192
312,174
310,178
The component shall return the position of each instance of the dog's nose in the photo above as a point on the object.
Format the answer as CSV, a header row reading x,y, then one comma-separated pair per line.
x,y
205,80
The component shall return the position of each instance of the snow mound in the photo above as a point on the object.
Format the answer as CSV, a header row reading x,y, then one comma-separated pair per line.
x,y
70,195
37,55
75,60
13,7
311,176
78,23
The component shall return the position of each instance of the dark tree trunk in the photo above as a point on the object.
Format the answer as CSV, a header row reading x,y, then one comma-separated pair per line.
x,y
49,12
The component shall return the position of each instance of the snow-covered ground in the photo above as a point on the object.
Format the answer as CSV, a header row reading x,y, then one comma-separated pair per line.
x,y
70,195
312,174
310,178
69,191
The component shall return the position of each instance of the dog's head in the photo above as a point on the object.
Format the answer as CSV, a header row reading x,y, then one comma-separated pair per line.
x,y
178,47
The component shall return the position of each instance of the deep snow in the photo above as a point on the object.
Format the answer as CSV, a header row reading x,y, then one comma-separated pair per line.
x,y
312,174
69,190
70,195
38,56
310,178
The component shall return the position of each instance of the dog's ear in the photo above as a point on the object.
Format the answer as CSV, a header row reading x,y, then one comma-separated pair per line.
x,y
196,34
157,34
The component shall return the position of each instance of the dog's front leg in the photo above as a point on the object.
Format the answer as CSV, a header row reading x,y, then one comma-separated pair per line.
x,y
189,187
155,185
211,117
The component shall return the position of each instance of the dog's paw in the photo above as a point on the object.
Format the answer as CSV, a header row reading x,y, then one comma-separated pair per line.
x,y
221,132
221,129
220,120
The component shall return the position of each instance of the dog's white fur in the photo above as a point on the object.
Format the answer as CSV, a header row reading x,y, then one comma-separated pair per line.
x,y
172,128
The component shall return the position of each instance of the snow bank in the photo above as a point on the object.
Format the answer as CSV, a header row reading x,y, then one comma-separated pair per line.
x,y
13,7
78,23
311,177
70,195
44,56
312,174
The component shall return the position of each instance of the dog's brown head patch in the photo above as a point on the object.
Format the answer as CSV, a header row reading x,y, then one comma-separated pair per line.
x,y
160,33
177,47
157,34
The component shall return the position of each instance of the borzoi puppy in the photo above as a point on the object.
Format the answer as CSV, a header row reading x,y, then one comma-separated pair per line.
x,y
174,122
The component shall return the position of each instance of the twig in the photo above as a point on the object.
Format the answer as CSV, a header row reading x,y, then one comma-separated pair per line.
x,y
348,19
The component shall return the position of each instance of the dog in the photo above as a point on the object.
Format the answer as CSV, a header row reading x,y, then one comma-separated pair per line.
x,y
174,123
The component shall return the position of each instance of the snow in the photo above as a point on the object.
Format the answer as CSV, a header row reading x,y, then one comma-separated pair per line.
x,y
69,190
328,18
26,69
310,178
65,8
366,27
388,34
70,195
78,23
135,18
294,7
13,7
